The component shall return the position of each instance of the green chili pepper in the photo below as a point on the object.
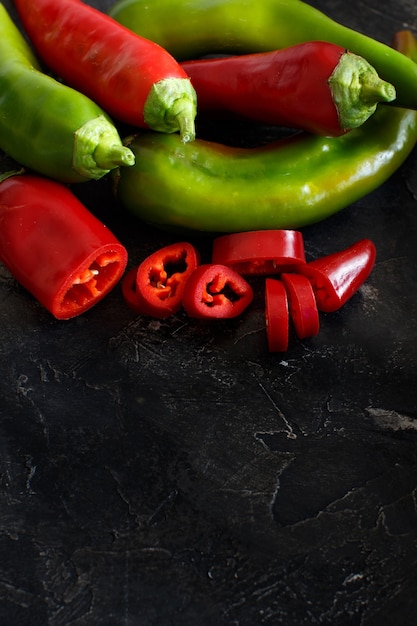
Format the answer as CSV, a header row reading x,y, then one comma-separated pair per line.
x,y
206,186
46,126
191,28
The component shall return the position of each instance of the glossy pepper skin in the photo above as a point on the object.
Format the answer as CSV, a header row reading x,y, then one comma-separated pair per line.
x,y
156,286
335,278
54,247
192,28
277,315
316,86
302,305
133,79
260,252
207,186
47,126
215,291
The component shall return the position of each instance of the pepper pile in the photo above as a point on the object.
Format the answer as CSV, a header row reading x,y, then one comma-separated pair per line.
x,y
171,278
206,186
138,68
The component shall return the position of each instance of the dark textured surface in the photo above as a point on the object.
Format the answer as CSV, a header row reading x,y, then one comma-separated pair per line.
x,y
176,474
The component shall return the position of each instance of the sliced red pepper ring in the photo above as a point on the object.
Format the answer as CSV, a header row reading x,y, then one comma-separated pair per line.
x,y
302,305
129,290
337,277
54,247
276,315
155,287
217,292
260,252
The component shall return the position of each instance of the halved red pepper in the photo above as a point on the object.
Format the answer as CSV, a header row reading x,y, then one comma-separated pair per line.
x,y
156,286
337,277
302,304
260,252
276,315
54,247
217,292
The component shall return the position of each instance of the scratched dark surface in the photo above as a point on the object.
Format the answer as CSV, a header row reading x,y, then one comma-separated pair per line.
x,y
176,474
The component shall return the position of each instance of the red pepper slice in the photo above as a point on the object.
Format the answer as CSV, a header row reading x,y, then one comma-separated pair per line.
x,y
260,252
217,292
54,247
155,288
276,315
302,305
337,277
129,290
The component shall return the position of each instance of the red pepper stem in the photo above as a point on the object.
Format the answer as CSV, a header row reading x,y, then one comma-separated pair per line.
x,y
377,91
357,89
171,106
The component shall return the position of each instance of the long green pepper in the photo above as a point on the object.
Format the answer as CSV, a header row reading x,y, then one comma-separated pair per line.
x,y
206,186
48,127
191,28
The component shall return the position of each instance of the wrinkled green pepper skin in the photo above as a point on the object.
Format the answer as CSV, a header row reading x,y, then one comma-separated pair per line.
x,y
206,186
191,28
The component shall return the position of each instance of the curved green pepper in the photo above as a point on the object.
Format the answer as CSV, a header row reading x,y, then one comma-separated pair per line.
x,y
191,28
206,186
48,127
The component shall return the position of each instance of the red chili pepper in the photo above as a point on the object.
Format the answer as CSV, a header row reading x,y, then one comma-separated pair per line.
x,y
337,277
155,288
132,78
129,290
302,304
276,315
217,292
317,86
260,252
55,247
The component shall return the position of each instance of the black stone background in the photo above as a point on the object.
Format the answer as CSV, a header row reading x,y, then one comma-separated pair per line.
x,y
176,474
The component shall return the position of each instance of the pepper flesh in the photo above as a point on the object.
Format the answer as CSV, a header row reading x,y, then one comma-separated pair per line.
x,y
54,247
335,278
216,291
316,86
260,252
156,286
132,78
192,28
47,126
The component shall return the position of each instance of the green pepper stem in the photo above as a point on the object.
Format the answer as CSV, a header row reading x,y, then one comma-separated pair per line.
x,y
99,149
110,156
171,106
357,89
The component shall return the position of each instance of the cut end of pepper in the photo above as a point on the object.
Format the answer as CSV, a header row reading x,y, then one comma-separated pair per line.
x,y
357,89
92,280
171,107
98,149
